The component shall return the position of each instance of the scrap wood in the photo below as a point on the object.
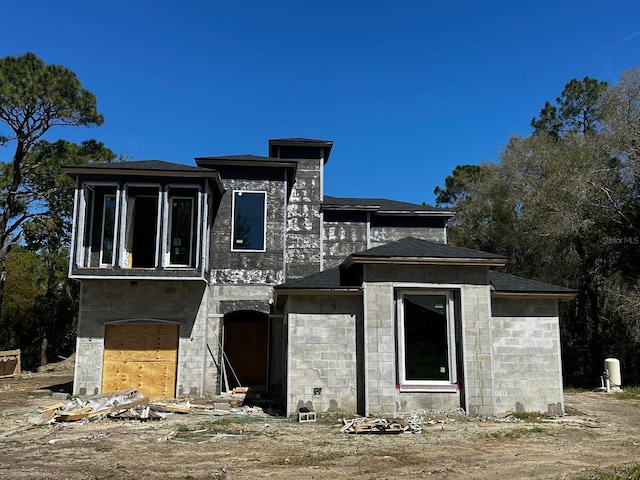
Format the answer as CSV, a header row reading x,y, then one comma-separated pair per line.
x,y
361,425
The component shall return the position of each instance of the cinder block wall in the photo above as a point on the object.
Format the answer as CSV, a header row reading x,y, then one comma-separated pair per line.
x,y
381,355
526,353
103,301
322,353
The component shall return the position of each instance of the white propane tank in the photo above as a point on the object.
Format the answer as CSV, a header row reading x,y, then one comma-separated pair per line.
x,y
614,378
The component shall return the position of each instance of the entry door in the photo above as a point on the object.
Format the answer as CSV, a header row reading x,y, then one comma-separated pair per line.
x,y
245,345
141,356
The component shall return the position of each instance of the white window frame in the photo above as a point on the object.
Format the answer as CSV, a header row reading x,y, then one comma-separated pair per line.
x,y
449,385
264,220
191,262
114,196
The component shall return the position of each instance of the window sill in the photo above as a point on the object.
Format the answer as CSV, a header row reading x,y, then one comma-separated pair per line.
x,y
429,388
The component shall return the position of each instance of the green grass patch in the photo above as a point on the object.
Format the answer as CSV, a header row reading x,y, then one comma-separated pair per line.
x,y
530,417
629,393
627,473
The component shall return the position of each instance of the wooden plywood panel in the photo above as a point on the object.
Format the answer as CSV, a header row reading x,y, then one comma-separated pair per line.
x,y
141,356
246,343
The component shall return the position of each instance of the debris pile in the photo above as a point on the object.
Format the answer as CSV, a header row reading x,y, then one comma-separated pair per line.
x,y
132,405
361,425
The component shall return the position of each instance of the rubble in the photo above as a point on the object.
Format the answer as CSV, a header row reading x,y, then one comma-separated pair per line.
x,y
370,425
132,405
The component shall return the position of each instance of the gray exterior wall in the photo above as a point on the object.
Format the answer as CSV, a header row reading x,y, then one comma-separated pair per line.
x,y
246,267
345,233
303,220
471,286
322,352
105,301
526,355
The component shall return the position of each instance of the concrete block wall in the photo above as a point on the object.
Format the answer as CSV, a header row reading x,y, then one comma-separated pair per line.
x,y
380,349
322,353
477,352
526,353
380,317
104,301
223,299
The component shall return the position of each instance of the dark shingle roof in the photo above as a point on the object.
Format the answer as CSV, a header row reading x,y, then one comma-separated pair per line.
x,y
416,248
506,283
380,205
300,140
152,165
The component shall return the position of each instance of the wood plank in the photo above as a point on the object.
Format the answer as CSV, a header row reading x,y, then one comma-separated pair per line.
x,y
144,357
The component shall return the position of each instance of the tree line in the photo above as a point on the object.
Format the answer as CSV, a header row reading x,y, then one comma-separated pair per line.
x,y
563,205
38,304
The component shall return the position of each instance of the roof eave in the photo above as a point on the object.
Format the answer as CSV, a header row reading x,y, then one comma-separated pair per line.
x,y
276,163
487,262
558,295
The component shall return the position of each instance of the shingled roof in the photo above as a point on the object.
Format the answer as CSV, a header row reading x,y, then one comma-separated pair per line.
x,y
380,205
137,165
414,250
512,284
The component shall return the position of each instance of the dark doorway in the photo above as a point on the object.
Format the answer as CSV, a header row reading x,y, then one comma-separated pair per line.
x,y
246,342
144,225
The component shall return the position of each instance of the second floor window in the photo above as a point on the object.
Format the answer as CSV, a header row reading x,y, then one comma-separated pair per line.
x,y
249,214
182,231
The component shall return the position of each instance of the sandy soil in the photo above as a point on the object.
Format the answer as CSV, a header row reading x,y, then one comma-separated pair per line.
x,y
600,432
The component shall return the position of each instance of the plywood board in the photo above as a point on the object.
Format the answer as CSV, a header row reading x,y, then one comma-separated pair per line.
x,y
9,363
144,357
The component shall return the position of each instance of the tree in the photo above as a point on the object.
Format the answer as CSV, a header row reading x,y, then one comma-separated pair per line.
x,y
34,97
457,184
562,205
577,109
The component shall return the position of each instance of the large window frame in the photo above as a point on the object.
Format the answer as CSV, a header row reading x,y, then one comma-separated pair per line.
x,y
108,224
408,342
238,244
106,230
174,239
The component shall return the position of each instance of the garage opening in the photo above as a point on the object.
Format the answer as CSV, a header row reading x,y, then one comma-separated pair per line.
x,y
246,344
141,356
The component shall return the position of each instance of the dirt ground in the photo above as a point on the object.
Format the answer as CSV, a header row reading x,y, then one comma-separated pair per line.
x,y
600,432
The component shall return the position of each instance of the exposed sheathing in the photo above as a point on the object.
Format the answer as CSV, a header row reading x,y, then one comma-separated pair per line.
x,y
303,221
148,302
347,232
246,267
526,353
344,233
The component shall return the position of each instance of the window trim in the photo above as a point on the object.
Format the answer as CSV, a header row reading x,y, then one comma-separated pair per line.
x,y
450,385
264,221
114,196
191,263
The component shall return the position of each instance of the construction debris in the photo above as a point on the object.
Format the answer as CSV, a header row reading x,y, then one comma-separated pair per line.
x,y
361,425
132,405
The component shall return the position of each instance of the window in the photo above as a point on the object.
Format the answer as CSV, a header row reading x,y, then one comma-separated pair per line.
x,y
108,230
181,240
249,214
426,339
141,228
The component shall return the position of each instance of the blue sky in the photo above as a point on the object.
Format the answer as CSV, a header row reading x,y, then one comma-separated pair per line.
x,y
407,90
